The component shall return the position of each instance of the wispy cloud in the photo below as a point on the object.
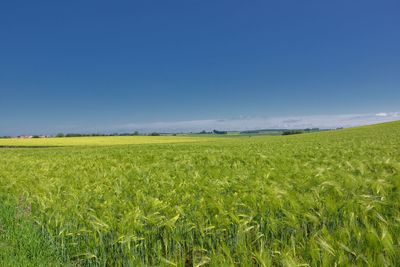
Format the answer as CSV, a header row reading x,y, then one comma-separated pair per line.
x,y
249,123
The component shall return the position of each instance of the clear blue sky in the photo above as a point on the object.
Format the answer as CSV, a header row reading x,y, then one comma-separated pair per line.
x,y
78,65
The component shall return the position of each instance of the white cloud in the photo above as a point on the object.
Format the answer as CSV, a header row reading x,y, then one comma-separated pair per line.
x,y
251,123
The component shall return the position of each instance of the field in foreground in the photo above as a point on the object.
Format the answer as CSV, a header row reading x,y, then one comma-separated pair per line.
x,y
314,199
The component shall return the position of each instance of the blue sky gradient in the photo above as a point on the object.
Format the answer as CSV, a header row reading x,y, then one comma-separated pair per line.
x,y
91,65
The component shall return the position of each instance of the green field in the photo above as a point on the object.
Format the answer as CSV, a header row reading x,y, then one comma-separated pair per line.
x,y
99,140
319,199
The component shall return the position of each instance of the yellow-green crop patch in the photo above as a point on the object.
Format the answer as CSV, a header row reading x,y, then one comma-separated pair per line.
x,y
321,199
100,140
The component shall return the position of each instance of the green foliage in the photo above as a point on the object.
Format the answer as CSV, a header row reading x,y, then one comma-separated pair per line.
x,y
318,199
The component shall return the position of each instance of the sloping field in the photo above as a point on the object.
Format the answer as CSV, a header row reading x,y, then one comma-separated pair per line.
x,y
98,141
321,199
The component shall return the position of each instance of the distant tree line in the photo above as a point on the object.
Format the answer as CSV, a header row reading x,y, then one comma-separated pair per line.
x,y
219,132
96,134
311,129
59,135
136,133
290,132
204,132
212,132
307,130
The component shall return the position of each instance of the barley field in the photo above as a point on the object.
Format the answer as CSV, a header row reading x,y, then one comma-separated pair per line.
x,y
98,141
320,199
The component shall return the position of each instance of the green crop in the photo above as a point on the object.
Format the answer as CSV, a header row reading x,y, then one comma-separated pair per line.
x,y
318,199
99,141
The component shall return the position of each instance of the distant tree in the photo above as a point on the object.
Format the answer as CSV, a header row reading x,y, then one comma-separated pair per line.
x,y
60,135
290,132
36,136
135,133
219,132
95,134
73,135
154,134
